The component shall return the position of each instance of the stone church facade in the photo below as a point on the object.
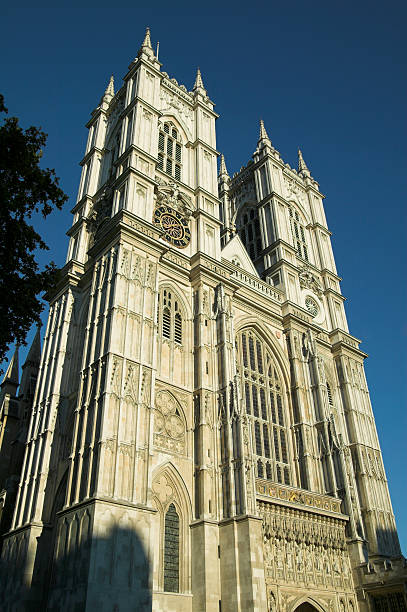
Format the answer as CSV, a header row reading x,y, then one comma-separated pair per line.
x,y
201,436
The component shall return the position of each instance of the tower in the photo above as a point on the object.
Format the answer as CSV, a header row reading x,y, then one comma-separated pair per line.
x,y
201,436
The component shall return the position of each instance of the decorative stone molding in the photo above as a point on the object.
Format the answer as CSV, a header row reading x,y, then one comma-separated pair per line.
x,y
309,281
302,548
169,426
170,194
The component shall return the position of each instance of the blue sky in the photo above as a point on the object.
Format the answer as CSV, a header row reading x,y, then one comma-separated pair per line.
x,y
326,76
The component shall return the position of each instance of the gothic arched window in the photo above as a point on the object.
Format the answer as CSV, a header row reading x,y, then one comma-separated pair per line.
x,y
249,230
298,234
169,150
171,550
265,406
169,317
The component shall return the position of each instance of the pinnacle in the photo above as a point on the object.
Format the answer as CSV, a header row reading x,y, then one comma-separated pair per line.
x,y
198,81
11,374
147,40
34,354
110,88
263,133
222,167
146,46
302,166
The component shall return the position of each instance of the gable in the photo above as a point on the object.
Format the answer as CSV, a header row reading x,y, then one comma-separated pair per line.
x,y
235,252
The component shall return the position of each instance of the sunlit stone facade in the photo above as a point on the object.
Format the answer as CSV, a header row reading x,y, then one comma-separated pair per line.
x,y
201,436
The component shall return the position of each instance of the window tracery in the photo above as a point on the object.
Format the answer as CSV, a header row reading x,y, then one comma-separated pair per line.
x,y
169,425
171,550
170,150
298,232
169,317
263,395
249,231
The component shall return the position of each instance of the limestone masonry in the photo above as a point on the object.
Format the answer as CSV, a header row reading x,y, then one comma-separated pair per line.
x,y
196,433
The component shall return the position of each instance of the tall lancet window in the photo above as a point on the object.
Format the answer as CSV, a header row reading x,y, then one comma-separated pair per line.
x,y
169,318
249,230
171,550
170,150
298,232
265,404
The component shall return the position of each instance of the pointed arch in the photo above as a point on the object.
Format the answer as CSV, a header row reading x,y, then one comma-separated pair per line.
x,y
171,495
307,600
266,399
267,336
169,115
174,288
297,205
175,479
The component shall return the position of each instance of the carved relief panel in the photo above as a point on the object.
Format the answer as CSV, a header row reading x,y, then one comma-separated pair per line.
x,y
169,424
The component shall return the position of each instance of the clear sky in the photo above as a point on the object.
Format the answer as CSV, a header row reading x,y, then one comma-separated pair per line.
x,y
326,76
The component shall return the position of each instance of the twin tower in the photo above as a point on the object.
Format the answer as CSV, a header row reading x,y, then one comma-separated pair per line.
x,y
201,437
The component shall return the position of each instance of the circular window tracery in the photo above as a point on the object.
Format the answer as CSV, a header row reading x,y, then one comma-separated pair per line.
x,y
311,306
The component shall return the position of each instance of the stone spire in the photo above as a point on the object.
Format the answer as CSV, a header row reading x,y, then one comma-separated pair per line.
x,y
109,91
34,354
222,168
11,375
146,47
110,88
263,136
198,85
302,166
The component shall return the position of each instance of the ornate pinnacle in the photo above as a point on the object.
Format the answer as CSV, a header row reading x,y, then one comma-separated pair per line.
x,y
198,81
110,88
34,354
302,166
146,46
147,40
11,374
263,133
222,167
109,92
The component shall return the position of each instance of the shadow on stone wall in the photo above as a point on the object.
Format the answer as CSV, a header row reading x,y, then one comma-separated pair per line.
x,y
109,574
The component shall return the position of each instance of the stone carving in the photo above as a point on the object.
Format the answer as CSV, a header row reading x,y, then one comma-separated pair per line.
x,y
131,380
171,100
309,281
100,211
295,542
271,602
125,263
169,426
162,489
293,189
170,194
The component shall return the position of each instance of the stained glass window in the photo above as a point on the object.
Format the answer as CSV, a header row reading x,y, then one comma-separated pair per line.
x,y
263,396
169,151
298,233
169,318
171,550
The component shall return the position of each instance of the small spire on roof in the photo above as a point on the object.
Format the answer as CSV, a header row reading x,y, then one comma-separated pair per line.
x,y
34,354
146,47
11,375
110,87
302,166
263,133
147,39
198,81
222,167
109,91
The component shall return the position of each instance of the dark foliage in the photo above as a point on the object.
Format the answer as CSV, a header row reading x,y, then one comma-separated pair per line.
x,y
25,189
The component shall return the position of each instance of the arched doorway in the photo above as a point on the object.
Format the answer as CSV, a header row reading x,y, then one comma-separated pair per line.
x,y
306,607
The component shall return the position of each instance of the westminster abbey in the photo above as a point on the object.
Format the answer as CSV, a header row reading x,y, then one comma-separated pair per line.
x,y
195,434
